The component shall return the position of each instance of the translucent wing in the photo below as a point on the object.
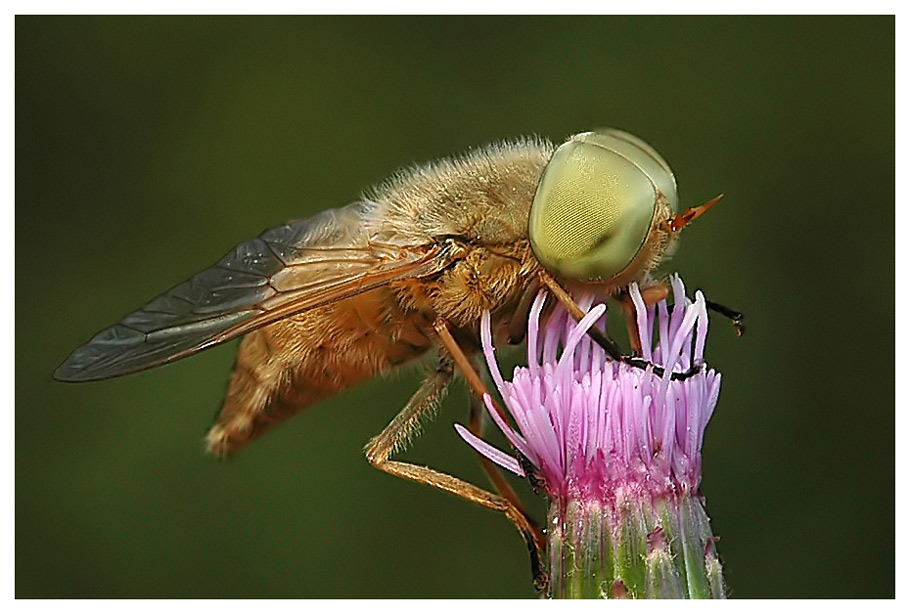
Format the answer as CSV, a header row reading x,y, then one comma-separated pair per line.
x,y
286,270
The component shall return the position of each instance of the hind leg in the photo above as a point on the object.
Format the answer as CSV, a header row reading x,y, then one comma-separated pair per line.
x,y
379,450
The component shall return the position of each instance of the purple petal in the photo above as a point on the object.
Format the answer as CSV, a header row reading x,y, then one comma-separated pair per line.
x,y
641,317
486,340
579,331
533,329
591,423
510,434
494,454
702,332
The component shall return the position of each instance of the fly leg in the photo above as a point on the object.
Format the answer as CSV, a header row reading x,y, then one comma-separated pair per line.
x,y
400,430
518,325
600,337
394,437
475,426
735,317
529,530
650,296
658,292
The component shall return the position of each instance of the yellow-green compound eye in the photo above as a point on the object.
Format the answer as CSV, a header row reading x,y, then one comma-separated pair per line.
x,y
595,202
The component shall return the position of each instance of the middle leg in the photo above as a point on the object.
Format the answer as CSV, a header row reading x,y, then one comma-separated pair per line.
x,y
475,426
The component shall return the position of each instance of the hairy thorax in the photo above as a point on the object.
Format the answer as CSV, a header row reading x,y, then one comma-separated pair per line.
x,y
478,206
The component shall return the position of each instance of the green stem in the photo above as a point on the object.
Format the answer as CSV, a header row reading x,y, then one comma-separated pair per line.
x,y
633,547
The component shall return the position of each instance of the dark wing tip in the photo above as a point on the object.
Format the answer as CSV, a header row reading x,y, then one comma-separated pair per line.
x,y
99,357
72,371
64,373
80,367
122,349
68,373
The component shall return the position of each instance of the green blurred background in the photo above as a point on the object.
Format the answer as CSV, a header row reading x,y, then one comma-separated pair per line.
x,y
147,147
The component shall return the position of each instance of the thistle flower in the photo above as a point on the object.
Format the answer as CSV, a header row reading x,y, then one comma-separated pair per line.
x,y
616,448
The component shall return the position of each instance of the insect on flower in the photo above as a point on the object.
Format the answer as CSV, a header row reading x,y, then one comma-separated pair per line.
x,y
351,293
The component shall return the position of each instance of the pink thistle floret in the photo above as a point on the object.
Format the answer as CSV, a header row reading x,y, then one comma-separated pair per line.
x,y
593,427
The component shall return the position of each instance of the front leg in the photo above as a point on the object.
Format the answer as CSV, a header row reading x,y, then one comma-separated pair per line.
x,y
658,292
735,317
602,339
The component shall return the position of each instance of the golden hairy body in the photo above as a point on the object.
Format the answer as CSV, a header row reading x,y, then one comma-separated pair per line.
x,y
480,203
351,293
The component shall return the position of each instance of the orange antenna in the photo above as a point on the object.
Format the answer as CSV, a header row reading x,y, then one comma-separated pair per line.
x,y
681,220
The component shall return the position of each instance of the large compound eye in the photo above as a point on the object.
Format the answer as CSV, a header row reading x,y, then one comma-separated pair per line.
x,y
595,203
